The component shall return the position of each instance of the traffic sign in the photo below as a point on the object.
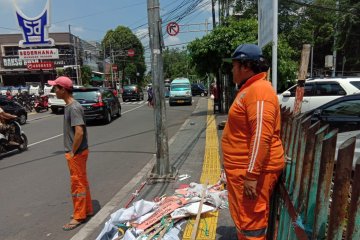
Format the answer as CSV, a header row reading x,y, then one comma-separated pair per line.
x,y
173,28
131,52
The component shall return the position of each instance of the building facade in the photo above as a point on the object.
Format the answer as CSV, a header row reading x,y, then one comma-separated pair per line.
x,y
73,53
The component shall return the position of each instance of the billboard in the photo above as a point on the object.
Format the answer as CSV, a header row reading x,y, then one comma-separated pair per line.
x,y
35,30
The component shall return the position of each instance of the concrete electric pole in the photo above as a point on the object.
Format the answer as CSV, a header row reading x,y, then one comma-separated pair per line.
x,y
162,170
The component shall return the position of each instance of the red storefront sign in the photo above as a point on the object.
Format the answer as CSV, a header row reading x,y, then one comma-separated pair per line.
x,y
40,66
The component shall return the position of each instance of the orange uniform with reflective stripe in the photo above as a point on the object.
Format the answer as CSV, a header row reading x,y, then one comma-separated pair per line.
x,y
251,138
252,149
80,190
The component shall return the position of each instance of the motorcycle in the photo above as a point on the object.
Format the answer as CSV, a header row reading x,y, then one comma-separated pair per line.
x,y
41,103
13,139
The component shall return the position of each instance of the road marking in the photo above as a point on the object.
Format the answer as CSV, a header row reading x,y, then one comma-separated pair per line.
x,y
133,109
211,173
35,143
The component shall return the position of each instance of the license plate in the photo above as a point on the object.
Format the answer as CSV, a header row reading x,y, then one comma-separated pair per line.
x,y
180,101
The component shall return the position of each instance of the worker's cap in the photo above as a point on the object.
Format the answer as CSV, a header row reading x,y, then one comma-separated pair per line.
x,y
246,52
62,81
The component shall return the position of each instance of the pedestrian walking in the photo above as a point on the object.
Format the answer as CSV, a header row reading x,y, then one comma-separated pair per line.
x,y
252,149
150,97
76,152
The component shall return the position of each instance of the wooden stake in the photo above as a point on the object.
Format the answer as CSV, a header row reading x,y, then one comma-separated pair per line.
x,y
305,54
197,220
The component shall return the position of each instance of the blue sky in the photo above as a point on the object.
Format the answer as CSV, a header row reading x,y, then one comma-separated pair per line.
x,y
90,19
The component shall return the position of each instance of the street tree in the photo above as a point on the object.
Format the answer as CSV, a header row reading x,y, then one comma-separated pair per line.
x,y
208,52
85,75
177,64
116,44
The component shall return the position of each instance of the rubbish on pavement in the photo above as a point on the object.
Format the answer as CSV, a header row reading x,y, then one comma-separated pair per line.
x,y
163,218
135,194
183,177
197,220
190,209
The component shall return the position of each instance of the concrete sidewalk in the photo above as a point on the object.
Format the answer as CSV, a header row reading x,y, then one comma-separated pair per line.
x,y
194,151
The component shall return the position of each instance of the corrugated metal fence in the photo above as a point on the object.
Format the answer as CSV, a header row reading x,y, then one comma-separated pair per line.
x,y
316,198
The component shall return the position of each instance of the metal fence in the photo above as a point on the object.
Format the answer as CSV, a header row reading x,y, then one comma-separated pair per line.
x,y
317,197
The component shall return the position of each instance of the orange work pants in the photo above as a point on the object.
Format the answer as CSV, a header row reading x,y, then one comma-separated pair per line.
x,y
250,216
80,190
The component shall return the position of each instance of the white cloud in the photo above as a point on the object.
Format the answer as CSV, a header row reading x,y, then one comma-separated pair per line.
x,y
24,6
141,32
171,40
208,8
57,28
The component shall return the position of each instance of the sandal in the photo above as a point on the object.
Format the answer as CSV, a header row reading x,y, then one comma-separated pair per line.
x,y
72,225
89,215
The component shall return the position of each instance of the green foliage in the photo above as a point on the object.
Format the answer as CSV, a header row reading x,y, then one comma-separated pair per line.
x,y
85,75
207,53
177,64
287,63
120,40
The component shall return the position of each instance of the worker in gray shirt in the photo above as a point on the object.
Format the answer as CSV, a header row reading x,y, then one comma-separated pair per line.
x,y
76,152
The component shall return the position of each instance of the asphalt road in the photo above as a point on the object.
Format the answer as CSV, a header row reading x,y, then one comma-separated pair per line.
x,y
35,187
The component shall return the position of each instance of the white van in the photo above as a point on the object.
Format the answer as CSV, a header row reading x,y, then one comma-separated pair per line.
x,y
180,91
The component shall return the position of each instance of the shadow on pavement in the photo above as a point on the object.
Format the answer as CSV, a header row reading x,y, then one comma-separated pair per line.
x,y
226,233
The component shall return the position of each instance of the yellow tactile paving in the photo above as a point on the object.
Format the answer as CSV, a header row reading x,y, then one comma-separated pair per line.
x,y
211,173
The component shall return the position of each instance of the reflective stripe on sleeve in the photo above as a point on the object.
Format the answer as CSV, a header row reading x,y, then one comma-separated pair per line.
x,y
259,118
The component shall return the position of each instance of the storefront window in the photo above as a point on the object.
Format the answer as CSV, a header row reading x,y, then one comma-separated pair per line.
x,y
11,51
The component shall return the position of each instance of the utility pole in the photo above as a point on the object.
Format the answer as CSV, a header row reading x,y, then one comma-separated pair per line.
x,y
75,54
213,13
334,44
161,171
111,64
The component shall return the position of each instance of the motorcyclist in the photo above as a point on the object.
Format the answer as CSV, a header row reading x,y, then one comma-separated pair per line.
x,y
4,127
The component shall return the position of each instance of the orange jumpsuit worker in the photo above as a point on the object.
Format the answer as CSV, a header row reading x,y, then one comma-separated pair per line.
x,y
252,150
76,148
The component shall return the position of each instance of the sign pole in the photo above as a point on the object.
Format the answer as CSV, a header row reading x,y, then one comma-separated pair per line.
x,y
275,46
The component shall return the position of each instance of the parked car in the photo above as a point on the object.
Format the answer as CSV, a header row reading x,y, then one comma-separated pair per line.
x,y
55,103
342,113
342,137
198,89
12,107
131,92
320,91
98,103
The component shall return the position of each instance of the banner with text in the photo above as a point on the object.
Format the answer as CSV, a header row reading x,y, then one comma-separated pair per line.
x,y
48,53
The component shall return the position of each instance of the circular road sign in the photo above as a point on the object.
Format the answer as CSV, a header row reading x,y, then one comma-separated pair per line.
x,y
131,52
173,28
